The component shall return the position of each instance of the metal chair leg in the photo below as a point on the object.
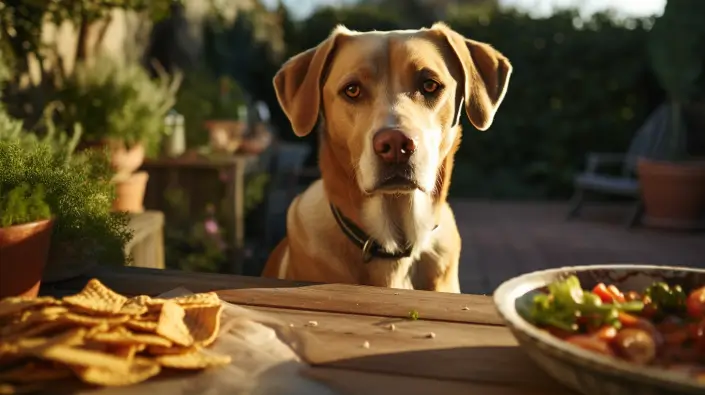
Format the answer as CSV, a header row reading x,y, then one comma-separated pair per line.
x,y
638,212
577,204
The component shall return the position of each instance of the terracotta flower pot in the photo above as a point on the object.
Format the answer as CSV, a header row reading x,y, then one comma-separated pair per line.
x,y
673,193
130,192
24,250
126,160
123,160
225,135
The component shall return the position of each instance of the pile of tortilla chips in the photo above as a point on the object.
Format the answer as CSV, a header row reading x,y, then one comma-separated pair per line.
x,y
104,338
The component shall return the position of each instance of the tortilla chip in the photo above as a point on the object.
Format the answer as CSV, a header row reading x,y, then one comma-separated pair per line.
x,y
140,369
196,359
171,324
97,297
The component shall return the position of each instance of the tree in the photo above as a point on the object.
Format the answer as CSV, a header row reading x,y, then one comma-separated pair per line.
x,y
23,20
22,23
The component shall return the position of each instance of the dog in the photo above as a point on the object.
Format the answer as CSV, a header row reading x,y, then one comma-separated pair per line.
x,y
387,107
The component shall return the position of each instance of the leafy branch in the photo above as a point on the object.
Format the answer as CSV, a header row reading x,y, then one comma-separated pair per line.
x,y
22,205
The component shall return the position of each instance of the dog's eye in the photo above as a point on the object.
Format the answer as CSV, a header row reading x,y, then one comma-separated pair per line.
x,y
352,91
430,86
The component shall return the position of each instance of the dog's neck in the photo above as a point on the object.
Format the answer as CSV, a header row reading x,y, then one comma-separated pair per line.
x,y
394,221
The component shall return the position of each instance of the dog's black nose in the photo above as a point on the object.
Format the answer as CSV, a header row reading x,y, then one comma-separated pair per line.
x,y
393,146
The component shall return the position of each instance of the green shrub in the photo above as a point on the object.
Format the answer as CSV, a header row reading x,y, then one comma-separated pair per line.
x,y
77,188
22,205
112,100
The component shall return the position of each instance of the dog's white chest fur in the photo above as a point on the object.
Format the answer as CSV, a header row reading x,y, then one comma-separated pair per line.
x,y
388,222
398,221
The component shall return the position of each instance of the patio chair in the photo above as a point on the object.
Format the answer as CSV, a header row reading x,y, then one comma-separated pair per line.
x,y
285,169
595,180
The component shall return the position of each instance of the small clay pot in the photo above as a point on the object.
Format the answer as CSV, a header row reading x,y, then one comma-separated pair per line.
x,y
24,250
130,191
225,135
123,160
126,160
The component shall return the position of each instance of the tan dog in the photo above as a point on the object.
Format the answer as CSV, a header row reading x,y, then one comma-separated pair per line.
x,y
388,106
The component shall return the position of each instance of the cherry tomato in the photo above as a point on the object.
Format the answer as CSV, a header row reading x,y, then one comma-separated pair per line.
x,y
604,293
616,293
591,343
695,304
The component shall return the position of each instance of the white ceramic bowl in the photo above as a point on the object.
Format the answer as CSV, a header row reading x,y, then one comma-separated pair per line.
x,y
582,370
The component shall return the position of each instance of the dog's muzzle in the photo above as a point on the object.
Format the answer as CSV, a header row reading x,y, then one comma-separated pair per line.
x,y
394,150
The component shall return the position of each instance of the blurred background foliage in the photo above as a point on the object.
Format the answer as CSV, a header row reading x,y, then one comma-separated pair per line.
x,y
577,86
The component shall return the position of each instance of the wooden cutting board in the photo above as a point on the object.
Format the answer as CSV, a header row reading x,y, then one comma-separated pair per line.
x,y
459,352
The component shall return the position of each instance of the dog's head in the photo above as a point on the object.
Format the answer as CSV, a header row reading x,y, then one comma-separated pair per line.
x,y
391,101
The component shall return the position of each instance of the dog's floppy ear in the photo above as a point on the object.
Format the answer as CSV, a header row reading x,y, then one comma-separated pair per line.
x,y
298,84
486,76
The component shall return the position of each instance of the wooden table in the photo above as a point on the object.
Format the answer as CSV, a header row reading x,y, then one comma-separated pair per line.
x,y
147,244
471,353
235,168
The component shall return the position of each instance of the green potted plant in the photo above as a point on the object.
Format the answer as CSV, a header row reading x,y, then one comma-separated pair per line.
x,y
78,191
121,108
25,237
673,182
213,110
227,125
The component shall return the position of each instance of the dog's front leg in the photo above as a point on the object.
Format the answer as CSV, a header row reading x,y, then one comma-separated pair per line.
x,y
448,281
388,273
434,272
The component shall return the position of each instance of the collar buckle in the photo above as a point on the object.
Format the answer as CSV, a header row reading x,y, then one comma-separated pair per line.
x,y
367,250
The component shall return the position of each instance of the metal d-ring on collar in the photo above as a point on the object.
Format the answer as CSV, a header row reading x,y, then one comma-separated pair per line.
x,y
370,248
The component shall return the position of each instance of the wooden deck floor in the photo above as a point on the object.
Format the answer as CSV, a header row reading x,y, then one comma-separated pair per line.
x,y
501,240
